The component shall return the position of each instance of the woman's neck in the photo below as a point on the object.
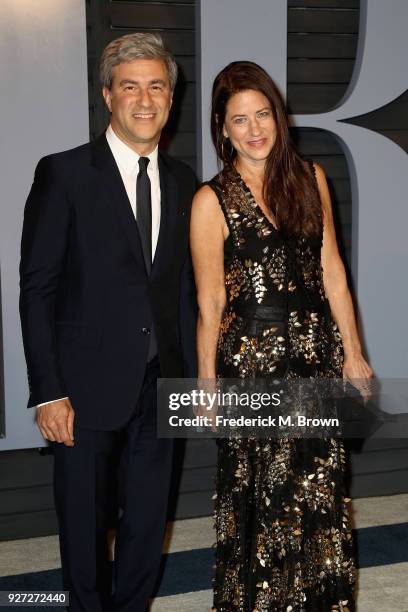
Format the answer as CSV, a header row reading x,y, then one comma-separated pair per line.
x,y
253,171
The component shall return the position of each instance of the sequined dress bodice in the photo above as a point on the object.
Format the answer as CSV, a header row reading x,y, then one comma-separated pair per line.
x,y
270,278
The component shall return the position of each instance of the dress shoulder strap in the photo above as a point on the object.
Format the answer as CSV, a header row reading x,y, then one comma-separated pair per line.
x,y
217,187
312,169
214,184
313,173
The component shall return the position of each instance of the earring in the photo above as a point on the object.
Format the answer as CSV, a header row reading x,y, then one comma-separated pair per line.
x,y
230,153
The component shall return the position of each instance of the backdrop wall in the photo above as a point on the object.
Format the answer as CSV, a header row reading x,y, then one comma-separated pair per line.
x,y
44,83
44,109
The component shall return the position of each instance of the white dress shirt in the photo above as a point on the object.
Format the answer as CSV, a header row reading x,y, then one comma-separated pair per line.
x,y
127,161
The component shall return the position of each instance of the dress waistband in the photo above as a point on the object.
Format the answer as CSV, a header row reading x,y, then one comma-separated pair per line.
x,y
276,312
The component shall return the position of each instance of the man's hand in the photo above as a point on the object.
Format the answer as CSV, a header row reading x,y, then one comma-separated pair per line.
x,y
56,421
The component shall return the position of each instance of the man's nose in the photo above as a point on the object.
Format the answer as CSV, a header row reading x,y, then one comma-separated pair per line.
x,y
145,98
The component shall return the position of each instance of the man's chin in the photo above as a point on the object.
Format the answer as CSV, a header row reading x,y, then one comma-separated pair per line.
x,y
145,138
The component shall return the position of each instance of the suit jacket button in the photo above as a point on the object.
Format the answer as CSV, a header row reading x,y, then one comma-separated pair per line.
x,y
146,330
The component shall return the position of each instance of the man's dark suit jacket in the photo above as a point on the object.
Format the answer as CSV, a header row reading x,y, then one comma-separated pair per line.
x,y
87,304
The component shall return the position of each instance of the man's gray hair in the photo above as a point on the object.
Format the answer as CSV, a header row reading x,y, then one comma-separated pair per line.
x,y
140,45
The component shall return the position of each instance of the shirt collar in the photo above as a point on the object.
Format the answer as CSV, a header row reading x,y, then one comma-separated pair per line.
x,y
125,157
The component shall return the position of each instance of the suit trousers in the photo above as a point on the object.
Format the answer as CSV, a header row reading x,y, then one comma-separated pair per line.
x,y
114,478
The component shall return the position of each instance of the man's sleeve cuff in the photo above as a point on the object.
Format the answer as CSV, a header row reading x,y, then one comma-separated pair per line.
x,y
50,402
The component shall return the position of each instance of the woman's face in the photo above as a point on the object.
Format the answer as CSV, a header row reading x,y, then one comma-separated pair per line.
x,y
250,125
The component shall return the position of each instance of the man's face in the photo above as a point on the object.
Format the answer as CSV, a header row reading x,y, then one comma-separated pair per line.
x,y
139,101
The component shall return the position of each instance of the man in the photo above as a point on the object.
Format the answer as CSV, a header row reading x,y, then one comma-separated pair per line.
x,y
106,307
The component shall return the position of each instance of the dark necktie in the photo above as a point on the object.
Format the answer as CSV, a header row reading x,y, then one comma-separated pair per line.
x,y
144,211
144,223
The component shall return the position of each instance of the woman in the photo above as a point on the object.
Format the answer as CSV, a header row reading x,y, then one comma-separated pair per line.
x,y
273,301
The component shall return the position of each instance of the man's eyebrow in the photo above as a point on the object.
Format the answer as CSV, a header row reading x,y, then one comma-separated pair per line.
x,y
158,82
132,82
128,82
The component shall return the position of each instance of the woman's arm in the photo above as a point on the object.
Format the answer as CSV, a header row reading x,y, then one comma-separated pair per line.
x,y
337,291
207,233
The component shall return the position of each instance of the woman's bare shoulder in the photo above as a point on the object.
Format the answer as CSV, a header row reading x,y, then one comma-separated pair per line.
x,y
206,200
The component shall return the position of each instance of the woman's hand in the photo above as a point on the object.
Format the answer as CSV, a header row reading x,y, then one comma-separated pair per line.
x,y
355,368
359,373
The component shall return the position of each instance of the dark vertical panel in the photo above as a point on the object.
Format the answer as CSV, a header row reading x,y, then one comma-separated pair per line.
x,y
322,44
107,20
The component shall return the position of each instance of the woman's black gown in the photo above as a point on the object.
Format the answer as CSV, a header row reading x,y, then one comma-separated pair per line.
x,y
283,536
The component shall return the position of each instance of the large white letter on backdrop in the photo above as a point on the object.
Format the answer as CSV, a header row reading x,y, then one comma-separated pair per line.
x,y
232,30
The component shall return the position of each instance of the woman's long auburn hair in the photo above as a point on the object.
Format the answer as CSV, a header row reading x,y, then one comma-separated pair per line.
x,y
289,187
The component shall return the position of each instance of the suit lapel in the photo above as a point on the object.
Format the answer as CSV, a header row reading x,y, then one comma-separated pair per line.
x,y
103,160
169,202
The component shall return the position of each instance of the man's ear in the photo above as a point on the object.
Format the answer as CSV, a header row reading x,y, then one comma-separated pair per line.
x,y
108,97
